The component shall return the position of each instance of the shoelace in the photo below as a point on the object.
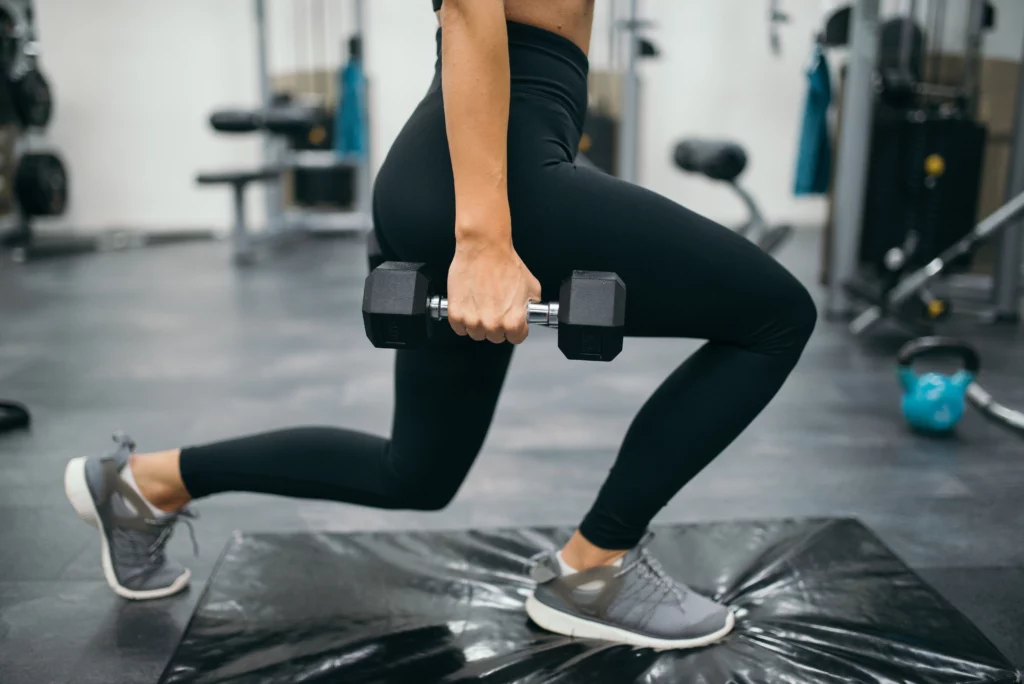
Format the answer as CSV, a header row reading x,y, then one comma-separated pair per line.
x,y
123,442
146,549
649,567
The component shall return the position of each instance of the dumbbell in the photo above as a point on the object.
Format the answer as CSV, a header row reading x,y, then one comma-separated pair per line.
x,y
399,304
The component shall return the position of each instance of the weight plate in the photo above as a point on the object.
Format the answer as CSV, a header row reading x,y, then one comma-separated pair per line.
x,y
41,185
32,99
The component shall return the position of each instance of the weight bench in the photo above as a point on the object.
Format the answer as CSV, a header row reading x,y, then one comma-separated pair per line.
x,y
243,241
292,129
725,161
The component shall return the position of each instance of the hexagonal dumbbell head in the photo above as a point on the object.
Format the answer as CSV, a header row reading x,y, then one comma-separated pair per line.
x,y
395,305
591,315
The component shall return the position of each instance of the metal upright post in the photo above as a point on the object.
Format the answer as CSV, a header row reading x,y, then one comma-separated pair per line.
x,y
274,201
1007,281
629,120
262,53
359,17
365,179
971,80
854,148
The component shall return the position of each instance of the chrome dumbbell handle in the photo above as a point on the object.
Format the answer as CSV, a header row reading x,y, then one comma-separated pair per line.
x,y
537,313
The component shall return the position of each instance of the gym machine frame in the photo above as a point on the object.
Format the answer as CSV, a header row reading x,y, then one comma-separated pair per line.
x,y
357,220
275,123
851,186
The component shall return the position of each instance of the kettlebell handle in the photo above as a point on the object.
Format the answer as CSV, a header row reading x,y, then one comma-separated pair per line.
x,y
936,346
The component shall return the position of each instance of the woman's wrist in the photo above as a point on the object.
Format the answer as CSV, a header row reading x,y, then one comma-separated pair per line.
x,y
484,224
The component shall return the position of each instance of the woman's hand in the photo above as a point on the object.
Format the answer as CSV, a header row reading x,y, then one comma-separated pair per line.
x,y
489,287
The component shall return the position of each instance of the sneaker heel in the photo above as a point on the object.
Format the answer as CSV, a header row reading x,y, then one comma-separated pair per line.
x,y
77,490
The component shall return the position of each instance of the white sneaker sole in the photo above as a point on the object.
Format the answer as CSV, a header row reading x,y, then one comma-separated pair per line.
x,y
571,626
77,490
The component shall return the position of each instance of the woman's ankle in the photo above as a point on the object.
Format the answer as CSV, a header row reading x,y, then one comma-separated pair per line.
x,y
580,554
158,479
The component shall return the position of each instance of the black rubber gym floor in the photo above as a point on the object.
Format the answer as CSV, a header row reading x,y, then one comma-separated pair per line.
x,y
175,346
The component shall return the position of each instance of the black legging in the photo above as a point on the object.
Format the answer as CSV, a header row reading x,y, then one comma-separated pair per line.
x,y
685,276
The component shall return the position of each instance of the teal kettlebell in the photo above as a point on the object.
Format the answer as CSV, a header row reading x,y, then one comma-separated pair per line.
x,y
935,402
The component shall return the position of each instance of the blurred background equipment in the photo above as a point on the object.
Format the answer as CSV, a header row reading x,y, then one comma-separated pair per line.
x,y
315,162
1004,416
33,183
934,402
725,161
929,144
611,132
776,17
912,297
34,179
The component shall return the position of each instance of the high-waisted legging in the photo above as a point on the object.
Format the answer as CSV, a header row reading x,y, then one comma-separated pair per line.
x,y
685,277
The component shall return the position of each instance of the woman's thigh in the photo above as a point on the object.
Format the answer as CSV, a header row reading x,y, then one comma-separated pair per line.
x,y
685,275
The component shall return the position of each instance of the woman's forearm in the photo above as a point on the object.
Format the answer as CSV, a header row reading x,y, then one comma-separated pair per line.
x,y
475,84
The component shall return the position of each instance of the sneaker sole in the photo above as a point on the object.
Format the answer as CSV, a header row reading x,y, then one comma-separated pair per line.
x,y
562,623
77,490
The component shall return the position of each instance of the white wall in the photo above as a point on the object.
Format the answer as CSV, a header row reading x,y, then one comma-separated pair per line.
x,y
134,82
717,78
134,91
1007,40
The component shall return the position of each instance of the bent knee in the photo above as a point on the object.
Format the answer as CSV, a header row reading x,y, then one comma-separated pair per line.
x,y
426,491
790,317
803,312
427,499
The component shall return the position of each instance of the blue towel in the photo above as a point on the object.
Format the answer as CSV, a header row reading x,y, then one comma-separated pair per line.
x,y
814,158
349,117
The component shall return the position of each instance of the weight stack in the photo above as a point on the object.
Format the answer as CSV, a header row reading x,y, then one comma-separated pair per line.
x,y
924,176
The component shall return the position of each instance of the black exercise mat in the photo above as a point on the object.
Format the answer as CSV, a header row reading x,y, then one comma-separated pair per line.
x,y
816,601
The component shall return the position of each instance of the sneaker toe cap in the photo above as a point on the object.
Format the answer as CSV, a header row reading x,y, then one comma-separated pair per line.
x,y
698,620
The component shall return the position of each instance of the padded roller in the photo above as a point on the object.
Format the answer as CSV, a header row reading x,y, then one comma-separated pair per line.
x,y
718,160
285,120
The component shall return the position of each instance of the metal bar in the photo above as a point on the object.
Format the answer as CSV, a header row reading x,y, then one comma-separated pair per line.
x,y
537,313
755,226
907,41
1000,220
613,34
272,191
1007,281
930,21
365,180
940,39
629,121
992,409
239,232
971,81
854,146
360,18
262,53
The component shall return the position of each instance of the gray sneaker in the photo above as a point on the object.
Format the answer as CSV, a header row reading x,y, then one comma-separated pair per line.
x,y
131,539
637,603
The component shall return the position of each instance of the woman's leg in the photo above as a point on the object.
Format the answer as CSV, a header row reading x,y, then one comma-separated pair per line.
x,y
420,468
445,396
685,276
